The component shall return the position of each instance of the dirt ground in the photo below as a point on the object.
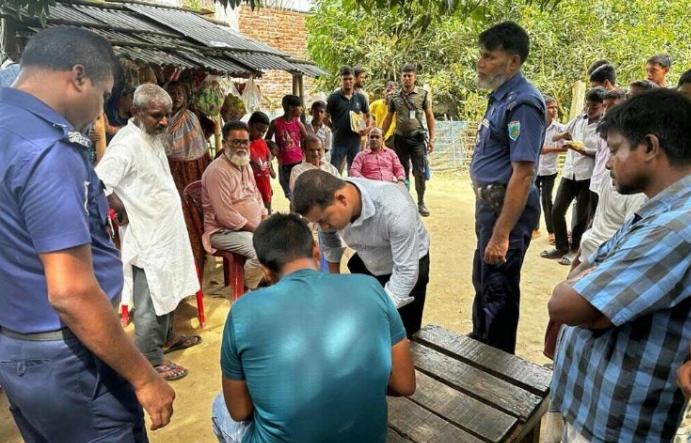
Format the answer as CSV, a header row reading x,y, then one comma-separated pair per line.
x,y
449,304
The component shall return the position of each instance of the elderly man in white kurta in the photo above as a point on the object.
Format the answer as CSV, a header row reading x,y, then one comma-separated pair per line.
x,y
156,253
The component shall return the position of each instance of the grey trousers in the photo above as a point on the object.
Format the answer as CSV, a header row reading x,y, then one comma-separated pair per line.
x,y
240,242
150,330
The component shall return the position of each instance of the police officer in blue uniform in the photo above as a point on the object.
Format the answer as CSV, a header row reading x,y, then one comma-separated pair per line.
x,y
70,372
503,172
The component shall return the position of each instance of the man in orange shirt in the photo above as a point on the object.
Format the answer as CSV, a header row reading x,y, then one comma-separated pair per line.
x,y
232,203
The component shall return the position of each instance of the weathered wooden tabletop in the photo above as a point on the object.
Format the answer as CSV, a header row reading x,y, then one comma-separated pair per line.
x,y
468,392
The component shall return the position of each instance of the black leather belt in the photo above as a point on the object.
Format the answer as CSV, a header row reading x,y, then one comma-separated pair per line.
x,y
60,334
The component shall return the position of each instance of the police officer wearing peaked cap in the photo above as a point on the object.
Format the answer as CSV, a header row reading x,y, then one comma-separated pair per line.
x,y
502,170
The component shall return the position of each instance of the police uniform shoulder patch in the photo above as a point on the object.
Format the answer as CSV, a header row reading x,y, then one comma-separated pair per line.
x,y
514,130
78,138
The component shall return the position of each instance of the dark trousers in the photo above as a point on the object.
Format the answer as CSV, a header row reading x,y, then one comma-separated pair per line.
x,y
568,190
338,153
411,314
59,392
284,177
497,287
413,150
545,186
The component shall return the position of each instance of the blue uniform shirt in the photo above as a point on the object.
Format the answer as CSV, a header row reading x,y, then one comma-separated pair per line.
x,y
50,199
315,352
513,130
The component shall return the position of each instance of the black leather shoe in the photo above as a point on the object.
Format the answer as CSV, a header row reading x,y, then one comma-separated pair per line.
x,y
422,209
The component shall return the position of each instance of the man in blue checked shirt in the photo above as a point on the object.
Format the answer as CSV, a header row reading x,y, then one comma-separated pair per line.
x,y
627,308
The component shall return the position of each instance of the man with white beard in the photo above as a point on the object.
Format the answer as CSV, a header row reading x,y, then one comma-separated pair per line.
x,y
502,170
232,203
156,253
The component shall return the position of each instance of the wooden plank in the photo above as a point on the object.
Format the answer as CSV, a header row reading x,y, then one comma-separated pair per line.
x,y
421,426
393,437
476,383
466,412
515,370
530,431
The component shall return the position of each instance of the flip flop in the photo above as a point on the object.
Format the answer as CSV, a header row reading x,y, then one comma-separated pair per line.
x,y
183,342
553,254
171,371
567,259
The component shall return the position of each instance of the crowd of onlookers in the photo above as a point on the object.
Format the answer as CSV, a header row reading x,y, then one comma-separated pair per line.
x,y
82,168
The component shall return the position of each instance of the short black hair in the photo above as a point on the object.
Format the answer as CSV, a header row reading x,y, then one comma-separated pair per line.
x,y
315,187
62,47
409,67
663,60
357,70
507,36
317,104
662,112
345,70
235,125
391,83
615,94
596,64
596,95
290,101
281,239
645,85
604,72
685,78
259,117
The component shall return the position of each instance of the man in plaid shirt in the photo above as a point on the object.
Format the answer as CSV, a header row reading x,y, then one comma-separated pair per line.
x,y
627,308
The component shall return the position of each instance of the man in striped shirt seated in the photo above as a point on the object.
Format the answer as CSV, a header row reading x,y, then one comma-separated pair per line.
x,y
627,307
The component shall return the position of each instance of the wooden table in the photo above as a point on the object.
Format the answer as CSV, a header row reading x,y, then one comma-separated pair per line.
x,y
468,392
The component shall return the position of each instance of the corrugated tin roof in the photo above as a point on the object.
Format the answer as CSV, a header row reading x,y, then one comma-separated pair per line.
x,y
217,63
260,60
173,36
152,55
67,13
200,30
118,18
309,69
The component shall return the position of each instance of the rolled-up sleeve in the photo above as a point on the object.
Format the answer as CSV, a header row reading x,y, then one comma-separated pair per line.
x,y
639,276
219,188
331,246
405,251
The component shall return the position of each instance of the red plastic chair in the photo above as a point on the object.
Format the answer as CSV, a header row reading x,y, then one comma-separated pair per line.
x,y
233,264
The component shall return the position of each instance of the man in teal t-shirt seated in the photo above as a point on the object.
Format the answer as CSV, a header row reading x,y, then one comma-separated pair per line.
x,y
311,358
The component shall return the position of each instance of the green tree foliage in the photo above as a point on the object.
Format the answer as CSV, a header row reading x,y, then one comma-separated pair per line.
x,y
564,41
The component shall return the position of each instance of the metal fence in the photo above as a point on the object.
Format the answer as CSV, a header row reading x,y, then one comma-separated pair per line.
x,y
453,146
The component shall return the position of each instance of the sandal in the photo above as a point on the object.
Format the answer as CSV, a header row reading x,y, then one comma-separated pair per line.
x,y
171,371
554,253
567,259
183,342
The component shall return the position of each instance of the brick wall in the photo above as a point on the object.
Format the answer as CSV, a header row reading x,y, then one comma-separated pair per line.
x,y
283,30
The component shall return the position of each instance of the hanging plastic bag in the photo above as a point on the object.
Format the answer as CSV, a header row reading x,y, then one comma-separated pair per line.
x,y
251,95
210,97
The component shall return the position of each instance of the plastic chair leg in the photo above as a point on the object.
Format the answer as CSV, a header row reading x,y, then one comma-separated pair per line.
x,y
124,315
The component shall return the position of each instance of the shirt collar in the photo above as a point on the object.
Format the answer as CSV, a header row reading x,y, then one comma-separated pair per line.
x,y
663,201
506,87
367,209
21,99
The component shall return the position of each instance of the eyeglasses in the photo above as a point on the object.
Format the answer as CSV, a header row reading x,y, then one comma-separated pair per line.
x,y
237,142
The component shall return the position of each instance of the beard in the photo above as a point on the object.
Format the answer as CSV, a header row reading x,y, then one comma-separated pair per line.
x,y
492,83
238,160
155,138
